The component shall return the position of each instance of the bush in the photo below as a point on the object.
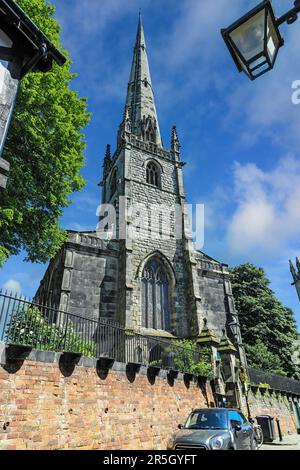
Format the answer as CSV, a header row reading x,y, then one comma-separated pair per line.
x,y
187,359
29,328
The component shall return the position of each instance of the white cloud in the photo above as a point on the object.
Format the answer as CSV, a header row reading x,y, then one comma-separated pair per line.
x,y
267,214
13,286
196,33
86,27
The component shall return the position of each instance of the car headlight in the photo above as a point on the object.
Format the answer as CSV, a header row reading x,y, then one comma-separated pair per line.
x,y
217,442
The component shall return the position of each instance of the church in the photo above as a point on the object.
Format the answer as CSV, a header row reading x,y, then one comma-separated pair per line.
x,y
144,276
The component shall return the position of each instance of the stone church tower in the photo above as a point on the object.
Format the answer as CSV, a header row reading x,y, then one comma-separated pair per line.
x,y
158,286
141,268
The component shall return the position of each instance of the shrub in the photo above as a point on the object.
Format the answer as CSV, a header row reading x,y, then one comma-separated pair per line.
x,y
29,327
187,360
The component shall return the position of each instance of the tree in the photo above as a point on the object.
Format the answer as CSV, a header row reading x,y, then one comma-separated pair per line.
x,y
45,148
268,328
260,357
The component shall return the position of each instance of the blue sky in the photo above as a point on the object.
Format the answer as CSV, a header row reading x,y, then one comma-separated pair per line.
x,y
240,139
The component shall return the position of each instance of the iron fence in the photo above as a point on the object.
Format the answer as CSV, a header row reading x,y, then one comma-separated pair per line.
x,y
26,322
276,382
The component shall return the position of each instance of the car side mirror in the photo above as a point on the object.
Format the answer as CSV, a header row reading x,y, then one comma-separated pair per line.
x,y
237,427
180,426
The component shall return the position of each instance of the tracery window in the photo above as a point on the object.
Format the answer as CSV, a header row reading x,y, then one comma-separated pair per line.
x,y
155,296
153,174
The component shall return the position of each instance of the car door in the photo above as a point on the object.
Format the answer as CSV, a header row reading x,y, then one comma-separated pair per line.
x,y
247,432
239,436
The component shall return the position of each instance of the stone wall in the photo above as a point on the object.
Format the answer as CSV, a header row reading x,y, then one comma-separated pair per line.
x,y
276,396
274,404
49,405
216,293
83,276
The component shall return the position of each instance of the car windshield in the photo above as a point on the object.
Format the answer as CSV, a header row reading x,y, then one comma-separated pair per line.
x,y
206,420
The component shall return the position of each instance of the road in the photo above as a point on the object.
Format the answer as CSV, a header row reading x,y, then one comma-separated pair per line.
x,y
289,443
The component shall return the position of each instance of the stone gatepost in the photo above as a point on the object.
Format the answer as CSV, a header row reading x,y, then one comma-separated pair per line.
x,y
230,370
207,338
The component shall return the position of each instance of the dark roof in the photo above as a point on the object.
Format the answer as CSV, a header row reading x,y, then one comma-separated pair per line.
x,y
29,34
215,409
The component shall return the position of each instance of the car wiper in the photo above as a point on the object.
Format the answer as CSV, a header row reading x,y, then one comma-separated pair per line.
x,y
195,427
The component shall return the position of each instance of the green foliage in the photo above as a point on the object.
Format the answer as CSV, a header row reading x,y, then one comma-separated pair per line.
x,y
187,360
29,328
244,377
260,357
264,386
45,149
268,328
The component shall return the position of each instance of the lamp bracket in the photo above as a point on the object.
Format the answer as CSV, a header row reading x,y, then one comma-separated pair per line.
x,y
291,16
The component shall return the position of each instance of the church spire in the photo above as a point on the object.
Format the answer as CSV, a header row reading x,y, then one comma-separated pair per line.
x,y
140,98
107,161
293,271
175,144
298,265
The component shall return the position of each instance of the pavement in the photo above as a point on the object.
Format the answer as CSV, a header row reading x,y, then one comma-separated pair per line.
x,y
289,442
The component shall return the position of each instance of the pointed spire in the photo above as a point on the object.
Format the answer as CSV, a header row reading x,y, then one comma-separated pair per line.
x,y
293,271
175,144
107,161
140,98
125,127
127,119
298,265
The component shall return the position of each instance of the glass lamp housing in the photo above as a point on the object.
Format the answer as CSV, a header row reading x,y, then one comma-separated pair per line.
x,y
254,40
233,325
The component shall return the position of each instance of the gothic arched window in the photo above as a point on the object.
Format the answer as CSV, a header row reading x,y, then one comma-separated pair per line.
x,y
113,182
153,174
155,296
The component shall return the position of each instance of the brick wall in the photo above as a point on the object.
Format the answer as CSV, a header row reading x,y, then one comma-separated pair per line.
x,y
44,405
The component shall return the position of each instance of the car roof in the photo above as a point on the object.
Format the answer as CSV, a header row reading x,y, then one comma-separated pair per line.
x,y
215,409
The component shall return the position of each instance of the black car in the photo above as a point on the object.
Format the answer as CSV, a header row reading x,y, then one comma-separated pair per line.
x,y
215,429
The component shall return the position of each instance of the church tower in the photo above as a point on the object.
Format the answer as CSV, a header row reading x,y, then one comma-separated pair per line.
x,y
143,181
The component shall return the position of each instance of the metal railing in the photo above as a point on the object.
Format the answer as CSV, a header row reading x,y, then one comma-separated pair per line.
x,y
26,322
276,382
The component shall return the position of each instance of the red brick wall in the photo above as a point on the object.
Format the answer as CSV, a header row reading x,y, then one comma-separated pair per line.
x,y
47,410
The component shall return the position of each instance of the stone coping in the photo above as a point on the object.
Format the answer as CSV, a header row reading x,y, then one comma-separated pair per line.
x,y
50,357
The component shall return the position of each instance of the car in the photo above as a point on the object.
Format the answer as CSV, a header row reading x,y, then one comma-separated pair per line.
x,y
215,429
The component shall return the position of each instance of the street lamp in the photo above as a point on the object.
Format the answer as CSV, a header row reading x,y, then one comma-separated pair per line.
x,y
254,40
23,48
234,328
